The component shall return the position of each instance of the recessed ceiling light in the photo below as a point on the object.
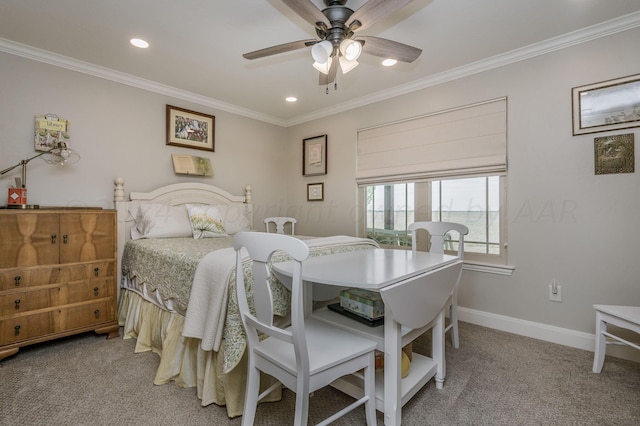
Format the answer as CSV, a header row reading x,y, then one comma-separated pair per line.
x,y
291,99
138,42
389,62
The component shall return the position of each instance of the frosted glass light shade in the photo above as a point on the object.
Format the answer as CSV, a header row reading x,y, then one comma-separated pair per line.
x,y
350,49
321,52
346,65
323,67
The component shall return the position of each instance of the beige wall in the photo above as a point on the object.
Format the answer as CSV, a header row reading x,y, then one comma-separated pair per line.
x,y
564,222
119,131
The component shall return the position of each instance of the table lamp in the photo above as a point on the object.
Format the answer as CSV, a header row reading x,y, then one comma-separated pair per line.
x,y
59,154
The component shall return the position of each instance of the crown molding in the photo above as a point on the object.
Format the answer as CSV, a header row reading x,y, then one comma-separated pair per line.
x,y
61,61
584,35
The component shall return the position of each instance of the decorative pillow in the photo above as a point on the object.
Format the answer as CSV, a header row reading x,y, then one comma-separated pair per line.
x,y
234,218
159,221
206,221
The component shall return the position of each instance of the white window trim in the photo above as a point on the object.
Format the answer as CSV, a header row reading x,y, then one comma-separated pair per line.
x,y
489,268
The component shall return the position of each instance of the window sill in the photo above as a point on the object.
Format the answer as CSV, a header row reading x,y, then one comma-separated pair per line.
x,y
488,268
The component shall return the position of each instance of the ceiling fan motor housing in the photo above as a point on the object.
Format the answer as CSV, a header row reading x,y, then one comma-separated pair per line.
x,y
337,14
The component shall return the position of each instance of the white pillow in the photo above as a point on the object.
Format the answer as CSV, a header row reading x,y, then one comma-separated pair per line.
x,y
160,221
234,218
206,221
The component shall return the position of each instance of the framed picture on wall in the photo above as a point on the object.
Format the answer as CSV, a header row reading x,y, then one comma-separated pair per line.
x,y
314,156
190,129
315,192
608,105
614,154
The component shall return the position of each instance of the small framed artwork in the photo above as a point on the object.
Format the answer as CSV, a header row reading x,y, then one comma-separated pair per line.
x,y
314,156
190,165
315,192
51,130
608,105
190,129
614,154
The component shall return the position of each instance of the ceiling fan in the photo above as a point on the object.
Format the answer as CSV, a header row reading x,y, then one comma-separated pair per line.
x,y
338,44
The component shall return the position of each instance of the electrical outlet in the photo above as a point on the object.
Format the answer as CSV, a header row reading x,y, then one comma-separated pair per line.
x,y
555,292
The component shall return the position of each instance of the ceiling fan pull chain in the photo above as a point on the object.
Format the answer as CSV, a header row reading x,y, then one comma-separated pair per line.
x,y
327,89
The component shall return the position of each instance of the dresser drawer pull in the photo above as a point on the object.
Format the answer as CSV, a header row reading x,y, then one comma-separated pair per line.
x,y
17,302
97,313
53,238
95,291
65,239
96,271
16,330
17,280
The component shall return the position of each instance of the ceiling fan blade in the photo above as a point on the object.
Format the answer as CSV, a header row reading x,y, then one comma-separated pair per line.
x,y
374,10
329,78
384,48
281,48
307,11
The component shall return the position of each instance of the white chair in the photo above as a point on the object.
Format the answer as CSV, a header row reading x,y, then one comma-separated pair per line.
x,y
438,232
620,316
306,356
280,223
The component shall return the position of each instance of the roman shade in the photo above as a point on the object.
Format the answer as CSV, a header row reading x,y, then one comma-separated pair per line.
x,y
464,141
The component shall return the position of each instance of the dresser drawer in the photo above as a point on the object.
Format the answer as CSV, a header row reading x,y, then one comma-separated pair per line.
x,y
85,271
32,326
13,303
16,278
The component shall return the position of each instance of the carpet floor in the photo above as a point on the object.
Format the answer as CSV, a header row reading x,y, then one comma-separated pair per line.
x,y
494,378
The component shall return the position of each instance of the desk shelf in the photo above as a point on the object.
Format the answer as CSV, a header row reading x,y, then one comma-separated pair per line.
x,y
375,333
422,368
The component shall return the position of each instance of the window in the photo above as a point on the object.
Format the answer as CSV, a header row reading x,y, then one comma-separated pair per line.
x,y
475,202
448,166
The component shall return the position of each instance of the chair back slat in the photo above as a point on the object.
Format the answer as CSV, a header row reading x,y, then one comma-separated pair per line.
x,y
280,222
262,297
438,232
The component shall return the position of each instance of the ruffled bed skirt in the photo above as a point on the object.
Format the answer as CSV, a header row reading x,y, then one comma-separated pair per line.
x,y
182,360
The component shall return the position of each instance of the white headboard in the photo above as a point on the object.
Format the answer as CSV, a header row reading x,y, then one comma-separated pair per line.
x,y
174,195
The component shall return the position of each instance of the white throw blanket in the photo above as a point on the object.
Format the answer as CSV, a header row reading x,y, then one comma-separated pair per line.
x,y
209,294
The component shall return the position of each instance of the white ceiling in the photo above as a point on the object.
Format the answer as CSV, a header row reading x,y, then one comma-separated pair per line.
x,y
197,45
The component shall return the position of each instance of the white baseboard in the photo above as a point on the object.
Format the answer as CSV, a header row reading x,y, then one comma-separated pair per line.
x,y
547,333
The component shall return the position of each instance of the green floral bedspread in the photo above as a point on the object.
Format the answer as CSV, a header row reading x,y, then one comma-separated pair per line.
x,y
169,265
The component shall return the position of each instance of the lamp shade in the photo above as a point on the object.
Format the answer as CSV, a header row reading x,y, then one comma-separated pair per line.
x,y
321,52
323,67
350,49
346,65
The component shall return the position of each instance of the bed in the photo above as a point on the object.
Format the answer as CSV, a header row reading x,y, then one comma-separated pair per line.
x,y
177,291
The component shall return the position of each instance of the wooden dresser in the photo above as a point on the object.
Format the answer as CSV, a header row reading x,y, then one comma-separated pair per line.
x,y
57,275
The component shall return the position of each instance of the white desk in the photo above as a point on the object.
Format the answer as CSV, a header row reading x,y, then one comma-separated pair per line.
x,y
375,269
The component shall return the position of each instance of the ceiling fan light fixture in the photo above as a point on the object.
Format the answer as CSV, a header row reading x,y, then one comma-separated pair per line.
x,y
346,65
321,52
350,49
323,67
